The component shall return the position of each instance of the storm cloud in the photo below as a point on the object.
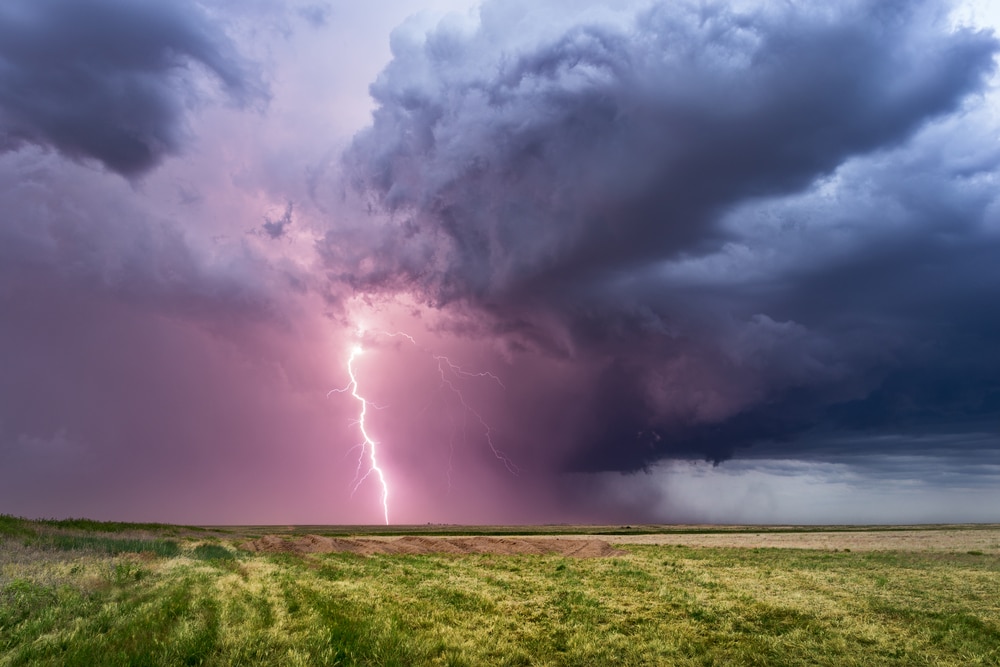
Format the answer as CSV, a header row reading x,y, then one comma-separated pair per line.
x,y
654,260
546,150
748,220
111,80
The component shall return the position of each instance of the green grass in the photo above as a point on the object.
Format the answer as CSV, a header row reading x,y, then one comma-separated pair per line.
x,y
105,526
106,545
212,552
97,602
11,526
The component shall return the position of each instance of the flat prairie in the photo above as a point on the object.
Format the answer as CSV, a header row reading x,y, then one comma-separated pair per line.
x,y
583,544
929,539
79,592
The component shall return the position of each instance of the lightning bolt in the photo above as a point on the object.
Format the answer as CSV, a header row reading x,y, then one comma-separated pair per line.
x,y
448,371
369,444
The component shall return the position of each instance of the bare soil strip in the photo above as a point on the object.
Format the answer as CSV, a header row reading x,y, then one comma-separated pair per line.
x,y
580,547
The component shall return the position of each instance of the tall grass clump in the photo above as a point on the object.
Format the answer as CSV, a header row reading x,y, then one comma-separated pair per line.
x,y
12,526
89,525
106,545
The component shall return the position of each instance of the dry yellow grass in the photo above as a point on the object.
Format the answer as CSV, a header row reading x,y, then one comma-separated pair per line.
x,y
985,539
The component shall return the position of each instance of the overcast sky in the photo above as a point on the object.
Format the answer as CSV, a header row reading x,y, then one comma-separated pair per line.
x,y
655,261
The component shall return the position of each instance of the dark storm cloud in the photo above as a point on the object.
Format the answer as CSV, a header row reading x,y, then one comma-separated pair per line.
x,y
537,162
748,222
109,80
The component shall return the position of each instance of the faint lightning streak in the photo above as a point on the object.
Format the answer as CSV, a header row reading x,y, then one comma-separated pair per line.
x,y
442,360
458,370
398,334
369,443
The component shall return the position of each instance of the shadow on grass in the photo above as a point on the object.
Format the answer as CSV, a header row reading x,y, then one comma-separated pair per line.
x,y
212,552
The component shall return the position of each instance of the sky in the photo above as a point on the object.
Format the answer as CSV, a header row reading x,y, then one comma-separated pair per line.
x,y
578,261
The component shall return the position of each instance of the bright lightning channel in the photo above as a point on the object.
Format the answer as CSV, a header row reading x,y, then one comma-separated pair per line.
x,y
370,445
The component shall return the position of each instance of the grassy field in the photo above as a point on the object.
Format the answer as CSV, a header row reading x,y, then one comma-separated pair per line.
x,y
85,593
